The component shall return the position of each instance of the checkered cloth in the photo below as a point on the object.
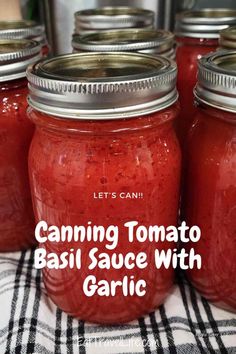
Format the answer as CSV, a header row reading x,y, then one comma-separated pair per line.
x,y
31,323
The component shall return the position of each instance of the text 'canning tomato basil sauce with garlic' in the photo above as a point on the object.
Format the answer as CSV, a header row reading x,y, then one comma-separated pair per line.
x,y
104,132
197,35
210,199
16,213
155,42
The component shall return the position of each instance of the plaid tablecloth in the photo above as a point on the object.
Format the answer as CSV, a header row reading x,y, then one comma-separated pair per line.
x,y
31,323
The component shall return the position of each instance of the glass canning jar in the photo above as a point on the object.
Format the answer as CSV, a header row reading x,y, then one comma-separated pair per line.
x,y
197,34
210,195
104,123
155,42
16,214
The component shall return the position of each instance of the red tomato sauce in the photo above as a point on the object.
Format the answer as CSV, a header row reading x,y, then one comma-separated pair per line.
x,y
16,131
189,50
70,160
210,203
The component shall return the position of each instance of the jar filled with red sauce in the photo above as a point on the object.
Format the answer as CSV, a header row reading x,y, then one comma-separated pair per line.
x,y
25,29
104,130
16,214
197,34
210,195
147,41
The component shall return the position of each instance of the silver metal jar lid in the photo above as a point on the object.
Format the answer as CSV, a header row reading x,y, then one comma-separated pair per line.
x,y
228,38
15,56
217,80
205,23
102,85
112,18
141,40
22,29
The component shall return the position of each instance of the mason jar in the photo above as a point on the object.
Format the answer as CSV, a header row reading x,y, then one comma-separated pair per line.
x,y
25,29
197,34
104,134
16,131
154,42
112,17
210,195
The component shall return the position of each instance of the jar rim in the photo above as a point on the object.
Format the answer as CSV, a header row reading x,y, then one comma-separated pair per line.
x,y
125,40
111,11
21,29
102,85
108,17
228,38
15,56
217,80
205,23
